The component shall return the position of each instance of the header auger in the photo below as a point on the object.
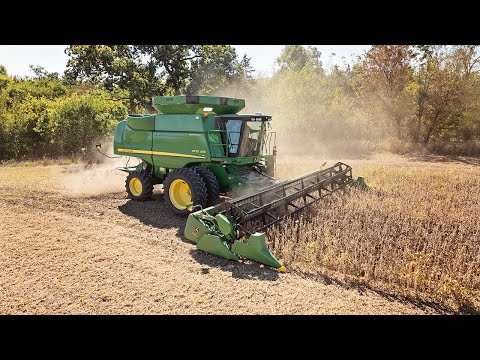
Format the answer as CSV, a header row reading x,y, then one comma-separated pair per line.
x,y
199,148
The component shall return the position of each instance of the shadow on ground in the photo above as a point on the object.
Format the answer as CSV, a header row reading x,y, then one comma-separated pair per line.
x,y
445,159
154,212
243,269
363,288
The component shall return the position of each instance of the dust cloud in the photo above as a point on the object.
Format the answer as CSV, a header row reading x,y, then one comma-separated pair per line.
x,y
316,129
304,135
254,182
99,177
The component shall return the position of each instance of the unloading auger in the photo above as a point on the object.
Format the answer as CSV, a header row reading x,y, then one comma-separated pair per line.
x,y
235,228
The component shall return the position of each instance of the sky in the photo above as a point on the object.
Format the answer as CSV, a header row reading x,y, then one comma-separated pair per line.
x,y
17,58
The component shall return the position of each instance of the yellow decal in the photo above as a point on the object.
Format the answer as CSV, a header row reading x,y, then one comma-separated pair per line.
x,y
196,231
164,153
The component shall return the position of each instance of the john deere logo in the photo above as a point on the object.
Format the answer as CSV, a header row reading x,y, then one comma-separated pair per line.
x,y
196,231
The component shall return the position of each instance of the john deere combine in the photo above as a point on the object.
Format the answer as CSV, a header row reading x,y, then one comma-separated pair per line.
x,y
199,147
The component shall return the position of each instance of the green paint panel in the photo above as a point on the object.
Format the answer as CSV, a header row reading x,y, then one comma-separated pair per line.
x,y
220,174
255,249
137,139
127,138
119,130
196,104
248,160
224,224
143,122
179,141
180,122
215,245
195,228
217,148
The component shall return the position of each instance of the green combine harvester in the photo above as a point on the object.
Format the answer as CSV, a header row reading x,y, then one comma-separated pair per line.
x,y
199,148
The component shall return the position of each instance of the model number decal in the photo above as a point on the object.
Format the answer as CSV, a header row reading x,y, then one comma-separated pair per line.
x,y
199,151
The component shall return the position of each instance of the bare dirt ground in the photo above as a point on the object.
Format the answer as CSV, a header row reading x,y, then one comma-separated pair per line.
x,y
63,251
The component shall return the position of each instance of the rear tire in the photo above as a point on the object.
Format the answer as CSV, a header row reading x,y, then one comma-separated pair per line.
x,y
182,187
211,182
139,185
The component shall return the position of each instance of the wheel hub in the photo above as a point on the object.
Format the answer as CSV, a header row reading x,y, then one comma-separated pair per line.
x,y
180,194
135,186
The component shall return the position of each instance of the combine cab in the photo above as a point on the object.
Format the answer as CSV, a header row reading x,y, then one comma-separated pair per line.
x,y
199,148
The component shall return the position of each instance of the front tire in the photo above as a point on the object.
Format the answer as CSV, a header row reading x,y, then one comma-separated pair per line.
x,y
184,187
139,185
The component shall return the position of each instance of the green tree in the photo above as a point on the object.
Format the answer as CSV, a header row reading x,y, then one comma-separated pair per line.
x,y
41,73
448,89
172,62
41,116
216,68
78,120
310,108
115,67
383,75
4,78
151,70
296,57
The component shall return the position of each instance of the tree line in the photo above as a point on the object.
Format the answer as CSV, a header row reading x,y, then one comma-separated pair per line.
x,y
398,95
52,115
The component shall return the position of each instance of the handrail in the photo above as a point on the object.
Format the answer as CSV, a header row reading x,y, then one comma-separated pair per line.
x,y
270,143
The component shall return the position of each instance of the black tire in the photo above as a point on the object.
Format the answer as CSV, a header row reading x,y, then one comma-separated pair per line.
x,y
146,181
197,187
211,182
